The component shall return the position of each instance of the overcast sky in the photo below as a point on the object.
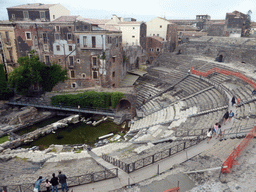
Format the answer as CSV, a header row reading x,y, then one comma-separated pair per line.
x,y
144,10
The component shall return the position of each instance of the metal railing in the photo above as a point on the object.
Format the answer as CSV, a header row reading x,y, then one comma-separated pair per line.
x,y
239,131
63,107
191,132
231,160
224,72
143,162
71,181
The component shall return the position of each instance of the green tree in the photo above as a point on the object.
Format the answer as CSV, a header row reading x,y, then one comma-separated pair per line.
x,y
32,71
5,92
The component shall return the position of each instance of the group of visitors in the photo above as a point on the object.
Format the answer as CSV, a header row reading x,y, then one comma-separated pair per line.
x,y
228,115
215,131
53,183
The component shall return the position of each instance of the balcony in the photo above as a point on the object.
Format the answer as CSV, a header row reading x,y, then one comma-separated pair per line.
x,y
71,66
7,42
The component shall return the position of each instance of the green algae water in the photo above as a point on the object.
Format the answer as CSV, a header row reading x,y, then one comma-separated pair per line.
x,y
39,125
79,133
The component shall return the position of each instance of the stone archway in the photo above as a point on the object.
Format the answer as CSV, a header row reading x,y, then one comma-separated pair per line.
x,y
221,58
124,105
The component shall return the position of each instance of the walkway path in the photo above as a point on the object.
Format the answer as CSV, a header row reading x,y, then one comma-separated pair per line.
x,y
144,173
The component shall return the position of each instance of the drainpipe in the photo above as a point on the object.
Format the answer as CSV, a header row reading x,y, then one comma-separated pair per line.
x,y
39,53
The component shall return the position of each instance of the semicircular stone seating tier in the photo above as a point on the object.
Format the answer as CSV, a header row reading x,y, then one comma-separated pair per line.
x,y
194,96
245,117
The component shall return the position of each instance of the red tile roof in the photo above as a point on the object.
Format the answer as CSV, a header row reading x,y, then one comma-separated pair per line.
x,y
32,6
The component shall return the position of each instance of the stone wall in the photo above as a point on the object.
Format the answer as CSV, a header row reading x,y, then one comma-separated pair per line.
x,y
237,50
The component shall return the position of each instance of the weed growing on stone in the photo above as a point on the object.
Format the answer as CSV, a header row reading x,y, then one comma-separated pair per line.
x,y
4,139
78,150
54,150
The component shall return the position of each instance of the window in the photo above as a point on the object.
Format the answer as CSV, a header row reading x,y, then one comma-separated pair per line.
x,y
25,14
77,28
114,59
77,40
71,60
46,48
69,27
13,16
158,49
7,36
94,61
70,48
72,74
133,28
95,75
78,60
59,60
133,36
109,40
45,38
57,28
83,75
53,16
74,85
28,35
151,50
113,74
11,56
57,47
47,59
157,35
85,27
84,41
57,36
42,14
69,36
153,34
161,26
93,42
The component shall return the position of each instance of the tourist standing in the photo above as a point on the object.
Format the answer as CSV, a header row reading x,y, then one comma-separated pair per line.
x,y
54,182
209,135
233,100
215,128
231,115
226,115
47,185
63,181
219,131
38,183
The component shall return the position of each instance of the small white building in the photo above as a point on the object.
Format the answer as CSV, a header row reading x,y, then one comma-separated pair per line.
x,y
133,32
158,27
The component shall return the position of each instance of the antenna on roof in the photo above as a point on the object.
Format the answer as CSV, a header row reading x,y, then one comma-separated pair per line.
x,y
164,16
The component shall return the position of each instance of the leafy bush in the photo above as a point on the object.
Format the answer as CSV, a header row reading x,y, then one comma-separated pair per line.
x,y
115,97
88,99
5,92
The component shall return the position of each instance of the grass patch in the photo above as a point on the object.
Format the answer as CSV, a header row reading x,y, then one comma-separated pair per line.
x,y
66,150
79,150
4,139
21,159
54,150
